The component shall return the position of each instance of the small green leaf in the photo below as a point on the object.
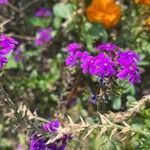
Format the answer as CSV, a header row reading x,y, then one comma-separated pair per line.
x,y
130,101
131,98
117,103
57,22
97,31
11,63
143,63
62,10
105,143
39,22
147,122
34,74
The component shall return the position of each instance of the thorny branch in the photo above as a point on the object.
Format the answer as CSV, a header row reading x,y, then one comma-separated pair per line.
x,y
105,125
2,24
23,37
20,112
136,106
75,129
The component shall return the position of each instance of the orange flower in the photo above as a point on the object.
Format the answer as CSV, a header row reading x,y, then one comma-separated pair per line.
x,y
106,12
142,1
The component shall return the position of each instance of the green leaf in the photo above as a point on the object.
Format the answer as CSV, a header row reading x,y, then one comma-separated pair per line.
x,y
147,113
62,10
97,31
91,32
57,22
130,101
143,63
34,74
4,143
39,22
139,125
88,2
11,63
105,143
131,98
147,122
117,103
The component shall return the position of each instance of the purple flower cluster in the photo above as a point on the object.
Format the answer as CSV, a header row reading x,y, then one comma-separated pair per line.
x,y
43,12
39,143
44,36
73,48
128,60
7,45
110,62
107,47
4,1
51,126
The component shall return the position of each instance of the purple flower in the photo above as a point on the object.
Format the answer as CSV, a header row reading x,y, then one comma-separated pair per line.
x,y
4,1
71,60
64,141
86,62
59,144
100,65
74,54
128,58
3,61
107,47
51,126
44,36
43,12
130,72
18,54
73,47
103,66
93,99
37,143
7,45
19,147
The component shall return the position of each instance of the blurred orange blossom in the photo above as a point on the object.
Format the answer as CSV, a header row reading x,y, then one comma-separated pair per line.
x,y
106,12
142,1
